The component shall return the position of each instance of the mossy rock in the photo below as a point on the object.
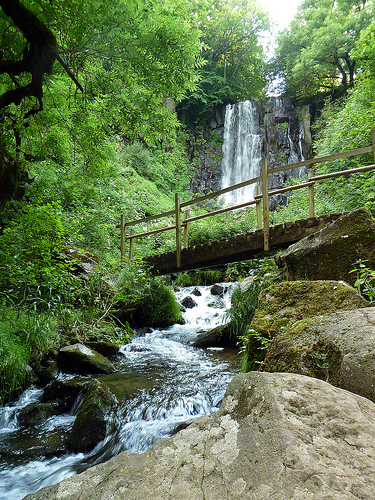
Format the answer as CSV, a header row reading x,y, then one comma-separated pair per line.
x,y
90,425
331,253
338,348
284,304
289,301
78,358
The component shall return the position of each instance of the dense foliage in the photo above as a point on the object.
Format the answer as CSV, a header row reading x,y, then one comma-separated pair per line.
x,y
315,53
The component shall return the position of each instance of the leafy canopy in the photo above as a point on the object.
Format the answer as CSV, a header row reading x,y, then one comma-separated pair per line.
x,y
315,54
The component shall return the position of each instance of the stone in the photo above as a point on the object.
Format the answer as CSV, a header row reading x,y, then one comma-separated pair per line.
x,y
285,303
218,337
106,349
90,424
36,413
331,253
65,391
217,290
279,436
339,348
78,358
188,302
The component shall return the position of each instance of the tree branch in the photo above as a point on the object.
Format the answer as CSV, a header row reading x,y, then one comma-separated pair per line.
x,y
38,58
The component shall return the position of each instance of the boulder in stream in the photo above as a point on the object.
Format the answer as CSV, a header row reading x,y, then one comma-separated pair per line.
x,y
188,302
78,358
280,436
90,425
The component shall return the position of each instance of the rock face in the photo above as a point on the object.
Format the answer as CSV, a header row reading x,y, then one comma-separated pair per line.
x,y
339,348
279,436
330,254
78,358
284,128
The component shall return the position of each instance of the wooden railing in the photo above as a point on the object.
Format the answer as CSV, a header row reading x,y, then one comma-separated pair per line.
x,y
260,198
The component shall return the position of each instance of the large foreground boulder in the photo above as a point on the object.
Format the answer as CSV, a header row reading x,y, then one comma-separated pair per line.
x,y
331,253
339,348
279,436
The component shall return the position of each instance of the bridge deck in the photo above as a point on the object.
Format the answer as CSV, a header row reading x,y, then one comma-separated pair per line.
x,y
238,248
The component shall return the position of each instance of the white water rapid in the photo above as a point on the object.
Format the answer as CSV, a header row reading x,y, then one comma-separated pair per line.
x,y
242,150
170,384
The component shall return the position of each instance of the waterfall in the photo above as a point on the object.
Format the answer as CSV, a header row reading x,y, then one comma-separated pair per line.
x,y
242,149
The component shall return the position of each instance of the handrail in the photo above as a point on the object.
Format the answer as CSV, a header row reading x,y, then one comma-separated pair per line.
x,y
258,198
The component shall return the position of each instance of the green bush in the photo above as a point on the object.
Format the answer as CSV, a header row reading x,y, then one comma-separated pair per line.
x,y
33,268
25,336
145,299
244,303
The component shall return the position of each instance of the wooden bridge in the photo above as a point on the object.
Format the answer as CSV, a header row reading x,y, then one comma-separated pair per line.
x,y
244,246
237,248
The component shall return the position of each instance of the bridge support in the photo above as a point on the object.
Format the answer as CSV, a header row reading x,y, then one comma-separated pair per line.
x,y
266,209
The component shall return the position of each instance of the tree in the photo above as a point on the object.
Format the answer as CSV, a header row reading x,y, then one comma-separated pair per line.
x,y
107,66
314,54
234,63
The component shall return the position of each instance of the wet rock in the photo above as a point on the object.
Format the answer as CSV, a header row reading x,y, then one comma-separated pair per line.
x,y
188,302
106,349
48,372
90,425
81,359
217,290
36,413
196,292
279,436
218,337
218,303
330,254
65,391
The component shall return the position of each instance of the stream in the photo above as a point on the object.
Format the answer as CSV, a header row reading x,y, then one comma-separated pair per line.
x,y
161,382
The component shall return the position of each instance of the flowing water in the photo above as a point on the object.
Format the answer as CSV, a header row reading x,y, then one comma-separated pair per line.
x,y
161,382
242,150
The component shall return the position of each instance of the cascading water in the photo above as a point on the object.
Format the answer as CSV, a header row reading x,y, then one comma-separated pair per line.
x,y
172,383
242,150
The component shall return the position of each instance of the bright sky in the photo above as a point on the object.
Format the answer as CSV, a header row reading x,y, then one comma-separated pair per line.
x,y
281,11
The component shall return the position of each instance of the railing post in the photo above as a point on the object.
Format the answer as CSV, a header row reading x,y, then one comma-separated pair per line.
x,y
178,229
266,207
373,142
131,245
310,173
258,208
122,230
186,229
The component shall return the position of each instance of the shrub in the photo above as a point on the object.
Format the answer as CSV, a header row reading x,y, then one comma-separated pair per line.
x,y
25,336
244,303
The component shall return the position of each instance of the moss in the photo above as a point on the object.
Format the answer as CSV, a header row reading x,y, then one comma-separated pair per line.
x,y
282,304
293,306
299,349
